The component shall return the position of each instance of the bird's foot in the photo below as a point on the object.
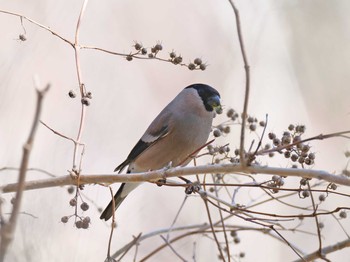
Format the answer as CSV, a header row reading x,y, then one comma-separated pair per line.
x,y
169,165
161,182
192,187
74,174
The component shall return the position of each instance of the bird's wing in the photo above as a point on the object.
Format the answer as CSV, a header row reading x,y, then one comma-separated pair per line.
x,y
158,129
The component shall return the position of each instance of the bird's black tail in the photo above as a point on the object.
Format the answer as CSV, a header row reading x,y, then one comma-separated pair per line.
x,y
118,199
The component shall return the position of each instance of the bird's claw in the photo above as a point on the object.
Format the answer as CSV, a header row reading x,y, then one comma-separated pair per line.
x,y
161,182
74,174
169,165
193,187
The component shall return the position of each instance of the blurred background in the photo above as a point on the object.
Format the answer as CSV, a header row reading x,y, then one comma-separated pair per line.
x,y
299,55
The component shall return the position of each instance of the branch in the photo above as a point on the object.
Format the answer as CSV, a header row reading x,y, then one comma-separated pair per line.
x,y
247,82
178,171
8,229
81,87
326,250
38,24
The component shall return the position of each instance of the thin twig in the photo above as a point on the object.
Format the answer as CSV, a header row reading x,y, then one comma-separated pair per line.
x,y
112,225
173,249
60,134
176,217
223,227
205,200
81,87
38,24
247,82
325,250
29,169
317,223
318,137
8,229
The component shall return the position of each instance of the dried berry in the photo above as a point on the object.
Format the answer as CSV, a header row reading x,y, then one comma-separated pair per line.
x,y
287,154
342,214
322,197
73,202
64,219
86,220
79,224
276,141
202,67
89,95
198,61
217,133
177,60
158,47
311,156
191,66
85,101
70,190
333,186
233,233
230,112
291,127
300,129
294,157
72,94
144,51
271,136
305,193
252,127
137,46
84,206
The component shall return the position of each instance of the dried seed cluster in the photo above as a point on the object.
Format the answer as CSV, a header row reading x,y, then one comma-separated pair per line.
x,y
80,221
174,58
290,145
275,183
85,100
219,153
225,128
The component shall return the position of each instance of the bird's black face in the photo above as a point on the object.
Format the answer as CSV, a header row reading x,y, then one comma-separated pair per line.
x,y
209,96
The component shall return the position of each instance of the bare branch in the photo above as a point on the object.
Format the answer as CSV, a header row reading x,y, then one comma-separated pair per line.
x,y
8,229
326,250
247,82
38,24
81,87
179,171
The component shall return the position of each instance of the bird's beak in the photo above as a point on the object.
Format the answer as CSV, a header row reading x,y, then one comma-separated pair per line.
x,y
214,102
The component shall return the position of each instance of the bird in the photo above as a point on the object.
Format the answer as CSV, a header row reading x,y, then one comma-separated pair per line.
x,y
179,130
